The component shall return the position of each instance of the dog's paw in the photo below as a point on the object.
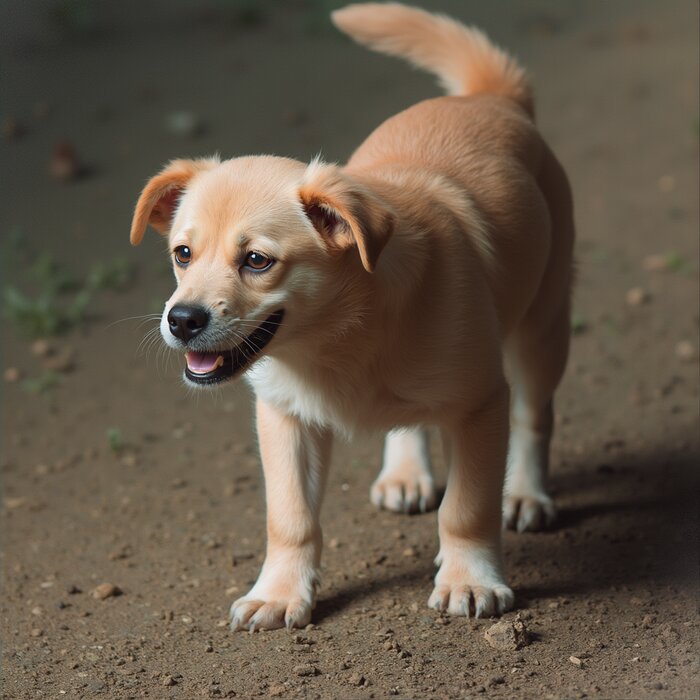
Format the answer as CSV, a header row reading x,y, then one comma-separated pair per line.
x,y
284,594
470,600
528,513
408,491
469,582
252,614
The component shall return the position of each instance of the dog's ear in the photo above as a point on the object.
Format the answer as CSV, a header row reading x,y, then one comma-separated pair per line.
x,y
161,196
346,212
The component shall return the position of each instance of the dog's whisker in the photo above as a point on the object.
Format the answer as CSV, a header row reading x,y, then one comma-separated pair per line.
x,y
143,318
246,342
264,330
147,341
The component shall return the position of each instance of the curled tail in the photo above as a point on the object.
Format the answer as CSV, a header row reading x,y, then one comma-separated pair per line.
x,y
462,57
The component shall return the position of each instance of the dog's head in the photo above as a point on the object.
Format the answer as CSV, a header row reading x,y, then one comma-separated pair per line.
x,y
264,249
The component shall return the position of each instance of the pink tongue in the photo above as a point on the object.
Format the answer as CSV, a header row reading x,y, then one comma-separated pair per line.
x,y
202,362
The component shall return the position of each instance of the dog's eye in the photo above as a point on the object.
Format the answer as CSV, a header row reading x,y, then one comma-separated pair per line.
x,y
257,261
183,255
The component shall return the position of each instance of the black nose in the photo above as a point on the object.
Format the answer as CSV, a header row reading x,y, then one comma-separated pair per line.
x,y
187,321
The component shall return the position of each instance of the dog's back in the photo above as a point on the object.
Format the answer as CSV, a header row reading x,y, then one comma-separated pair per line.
x,y
483,139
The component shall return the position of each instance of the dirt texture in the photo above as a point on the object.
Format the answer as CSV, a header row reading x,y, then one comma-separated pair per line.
x,y
133,510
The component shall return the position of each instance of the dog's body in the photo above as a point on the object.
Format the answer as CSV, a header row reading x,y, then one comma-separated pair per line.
x,y
464,217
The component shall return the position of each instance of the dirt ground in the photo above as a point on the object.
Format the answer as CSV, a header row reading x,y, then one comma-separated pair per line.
x,y
113,473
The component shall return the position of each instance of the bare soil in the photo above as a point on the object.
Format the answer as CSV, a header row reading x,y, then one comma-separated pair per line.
x,y
117,474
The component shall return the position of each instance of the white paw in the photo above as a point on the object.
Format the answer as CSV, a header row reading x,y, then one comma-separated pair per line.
x,y
469,582
408,491
468,600
528,513
283,596
249,613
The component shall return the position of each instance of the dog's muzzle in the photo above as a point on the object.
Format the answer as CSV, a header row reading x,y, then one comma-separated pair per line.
x,y
216,366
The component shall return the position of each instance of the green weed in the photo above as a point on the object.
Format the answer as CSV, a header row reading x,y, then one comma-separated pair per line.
x,y
115,439
675,262
578,324
61,300
109,275
43,383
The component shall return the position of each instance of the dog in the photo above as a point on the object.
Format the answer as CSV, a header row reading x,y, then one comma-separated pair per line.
x,y
425,283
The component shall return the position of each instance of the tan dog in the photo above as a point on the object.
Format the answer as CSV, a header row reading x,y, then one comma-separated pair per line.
x,y
387,294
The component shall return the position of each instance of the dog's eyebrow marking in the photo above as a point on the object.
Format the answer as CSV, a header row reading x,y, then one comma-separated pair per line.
x,y
187,234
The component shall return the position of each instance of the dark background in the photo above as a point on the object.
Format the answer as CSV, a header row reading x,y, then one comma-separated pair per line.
x,y
112,472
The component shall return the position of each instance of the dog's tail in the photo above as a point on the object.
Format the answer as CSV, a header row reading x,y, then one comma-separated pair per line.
x,y
462,57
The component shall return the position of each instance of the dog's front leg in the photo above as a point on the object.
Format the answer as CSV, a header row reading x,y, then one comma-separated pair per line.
x,y
470,579
295,460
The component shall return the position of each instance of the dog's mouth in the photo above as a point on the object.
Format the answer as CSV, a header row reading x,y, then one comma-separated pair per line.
x,y
219,365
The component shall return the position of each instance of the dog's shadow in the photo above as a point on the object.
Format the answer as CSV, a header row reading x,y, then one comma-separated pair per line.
x,y
619,524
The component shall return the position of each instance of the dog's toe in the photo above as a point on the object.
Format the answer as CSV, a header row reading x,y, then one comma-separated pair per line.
x,y
404,495
255,615
528,513
471,600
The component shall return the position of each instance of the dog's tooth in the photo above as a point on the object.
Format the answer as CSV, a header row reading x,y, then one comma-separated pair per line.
x,y
219,362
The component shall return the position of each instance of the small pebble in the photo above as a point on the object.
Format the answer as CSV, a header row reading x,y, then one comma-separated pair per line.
x,y
655,263
685,351
37,632
637,296
356,679
12,375
576,661
305,670
667,183
129,460
63,361
42,348
168,681
507,635
410,552
12,129
65,165
106,590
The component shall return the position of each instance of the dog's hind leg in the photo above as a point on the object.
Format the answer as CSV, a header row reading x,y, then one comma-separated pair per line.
x,y
535,356
536,362
405,483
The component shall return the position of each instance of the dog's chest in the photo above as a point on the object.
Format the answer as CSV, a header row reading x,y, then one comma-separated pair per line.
x,y
324,399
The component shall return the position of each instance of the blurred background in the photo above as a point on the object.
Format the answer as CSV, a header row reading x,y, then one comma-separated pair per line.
x,y
113,473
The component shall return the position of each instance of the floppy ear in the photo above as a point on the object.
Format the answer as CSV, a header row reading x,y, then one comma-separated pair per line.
x,y
346,212
161,196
